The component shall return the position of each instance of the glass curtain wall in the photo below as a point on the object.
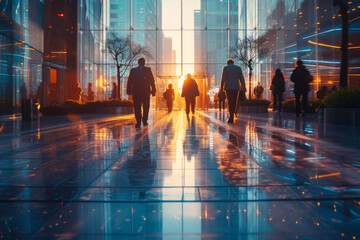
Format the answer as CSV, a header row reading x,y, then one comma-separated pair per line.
x,y
307,30
21,52
197,37
93,19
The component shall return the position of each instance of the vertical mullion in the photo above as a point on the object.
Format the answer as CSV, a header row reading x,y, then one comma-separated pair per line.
x,y
317,45
228,28
156,48
206,42
182,54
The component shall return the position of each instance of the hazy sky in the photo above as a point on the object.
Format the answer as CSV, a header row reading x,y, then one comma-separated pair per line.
x,y
171,24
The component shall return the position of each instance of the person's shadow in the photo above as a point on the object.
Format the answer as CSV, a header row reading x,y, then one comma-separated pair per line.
x,y
191,143
141,168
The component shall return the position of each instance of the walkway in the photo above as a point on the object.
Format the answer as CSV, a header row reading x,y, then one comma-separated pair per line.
x,y
182,178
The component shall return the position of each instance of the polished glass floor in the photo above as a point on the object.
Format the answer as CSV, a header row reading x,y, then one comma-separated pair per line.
x,y
264,177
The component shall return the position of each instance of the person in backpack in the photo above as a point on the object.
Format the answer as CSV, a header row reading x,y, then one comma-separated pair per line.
x,y
190,91
277,88
169,95
301,78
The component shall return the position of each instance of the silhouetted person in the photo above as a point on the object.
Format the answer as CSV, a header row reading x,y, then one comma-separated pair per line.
x,y
222,99
141,84
232,80
40,94
207,101
258,91
170,97
301,77
113,91
277,88
216,100
91,95
190,91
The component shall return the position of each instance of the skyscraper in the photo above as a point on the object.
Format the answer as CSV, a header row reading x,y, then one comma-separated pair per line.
x,y
169,57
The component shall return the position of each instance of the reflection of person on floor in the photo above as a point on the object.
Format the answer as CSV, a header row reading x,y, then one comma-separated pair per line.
x,y
170,97
222,98
190,91
141,169
232,81
140,85
169,131
234,165
191,143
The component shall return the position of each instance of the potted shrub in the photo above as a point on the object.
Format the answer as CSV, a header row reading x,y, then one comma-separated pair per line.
x,y
343,107
109,107
75,107
253,106
289,106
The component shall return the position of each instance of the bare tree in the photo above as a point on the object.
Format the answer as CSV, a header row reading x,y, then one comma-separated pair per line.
x,y
248,50
123,51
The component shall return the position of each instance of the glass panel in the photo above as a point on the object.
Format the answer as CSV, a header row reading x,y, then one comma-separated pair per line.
x,y
169,50
234,11
200,53
170,17
144,14
120,14
217,53
191,14
217,14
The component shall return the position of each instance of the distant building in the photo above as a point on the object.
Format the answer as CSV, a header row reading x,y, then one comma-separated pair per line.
x,y
168,67
53,46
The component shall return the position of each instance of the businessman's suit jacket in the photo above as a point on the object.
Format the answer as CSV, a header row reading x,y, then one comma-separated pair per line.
x,y
232,78
147,82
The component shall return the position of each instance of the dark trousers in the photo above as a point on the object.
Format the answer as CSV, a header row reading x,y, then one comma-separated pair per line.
x,y
277,100
144,101
222,104
190,101
232,96
169,105
304,100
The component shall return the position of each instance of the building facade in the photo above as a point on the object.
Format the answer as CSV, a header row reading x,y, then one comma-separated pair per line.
x,y
49,50
302,29
21,52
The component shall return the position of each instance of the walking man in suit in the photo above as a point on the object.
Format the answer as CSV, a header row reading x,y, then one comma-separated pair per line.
x,y
232,80
141,84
